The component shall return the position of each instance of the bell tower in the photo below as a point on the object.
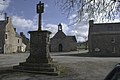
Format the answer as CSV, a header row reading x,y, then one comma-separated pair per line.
x,y
59,27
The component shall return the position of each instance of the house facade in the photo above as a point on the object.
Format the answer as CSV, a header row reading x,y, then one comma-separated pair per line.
x,y
104,39
10,40
62,43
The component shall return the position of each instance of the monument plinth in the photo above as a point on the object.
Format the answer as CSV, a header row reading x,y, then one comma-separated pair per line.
x,y
39,52
39,60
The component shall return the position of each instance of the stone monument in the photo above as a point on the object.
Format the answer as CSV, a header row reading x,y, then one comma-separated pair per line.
x,y
39,60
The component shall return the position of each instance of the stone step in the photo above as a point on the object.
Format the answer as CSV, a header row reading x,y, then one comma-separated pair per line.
x,y
37,65
38,60
56,73
46,69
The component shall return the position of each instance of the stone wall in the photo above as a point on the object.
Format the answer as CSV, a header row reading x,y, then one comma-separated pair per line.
x,y
55,44
104,39
67,45
2,37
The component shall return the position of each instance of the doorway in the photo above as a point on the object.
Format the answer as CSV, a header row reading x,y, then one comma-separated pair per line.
x,y
60,48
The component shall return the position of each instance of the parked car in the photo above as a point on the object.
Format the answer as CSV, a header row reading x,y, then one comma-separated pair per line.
x,y
114,74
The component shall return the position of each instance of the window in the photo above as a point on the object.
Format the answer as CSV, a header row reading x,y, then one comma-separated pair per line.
x,y
5,36
97,49
113,40
18,40
114,49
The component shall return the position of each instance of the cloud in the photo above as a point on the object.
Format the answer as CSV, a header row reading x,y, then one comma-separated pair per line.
x,y
3,6
80,29
46,5
72,16
51,27
23,23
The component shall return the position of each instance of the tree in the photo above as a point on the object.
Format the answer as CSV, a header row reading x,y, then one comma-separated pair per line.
x,y
88,9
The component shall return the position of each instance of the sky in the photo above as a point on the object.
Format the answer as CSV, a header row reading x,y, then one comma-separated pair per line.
x,y
25,18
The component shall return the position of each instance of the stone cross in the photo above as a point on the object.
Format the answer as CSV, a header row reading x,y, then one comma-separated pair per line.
x,y
40,10
39,60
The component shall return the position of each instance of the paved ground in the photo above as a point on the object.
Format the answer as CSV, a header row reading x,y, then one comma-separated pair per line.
x,y
74,67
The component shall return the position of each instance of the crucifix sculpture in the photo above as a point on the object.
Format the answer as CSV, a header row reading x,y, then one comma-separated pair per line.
x,y
40,10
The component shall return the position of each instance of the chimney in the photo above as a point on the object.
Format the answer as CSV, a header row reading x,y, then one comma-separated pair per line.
x,y
9,19
5,16
15,29
21,34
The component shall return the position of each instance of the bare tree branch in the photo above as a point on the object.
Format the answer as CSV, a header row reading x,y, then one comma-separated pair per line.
x,y
88,9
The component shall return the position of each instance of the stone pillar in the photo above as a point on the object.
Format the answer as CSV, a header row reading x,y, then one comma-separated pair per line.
x,y
39,47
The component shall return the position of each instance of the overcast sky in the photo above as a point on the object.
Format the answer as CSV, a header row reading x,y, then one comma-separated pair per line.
x,y
24,17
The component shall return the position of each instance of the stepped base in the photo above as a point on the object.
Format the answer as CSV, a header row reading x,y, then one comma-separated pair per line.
x,y
39,72
39,68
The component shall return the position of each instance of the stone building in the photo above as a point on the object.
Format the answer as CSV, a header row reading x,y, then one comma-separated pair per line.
x,y
104,39
60,42
10,40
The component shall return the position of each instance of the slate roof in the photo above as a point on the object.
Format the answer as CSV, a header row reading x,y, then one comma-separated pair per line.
x,y
72,38
59,34
24,39
2,25
17,35
101,27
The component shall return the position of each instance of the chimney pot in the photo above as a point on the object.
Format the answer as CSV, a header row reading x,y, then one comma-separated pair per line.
x,y
21,33
15,29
